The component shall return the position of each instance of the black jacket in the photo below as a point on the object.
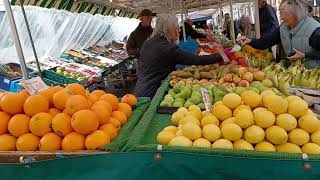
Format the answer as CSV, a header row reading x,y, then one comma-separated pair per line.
x,y
158,58
268,19
190,32
137,38
273,38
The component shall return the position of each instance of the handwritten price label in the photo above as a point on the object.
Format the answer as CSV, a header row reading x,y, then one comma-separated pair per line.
x,y
206,100
34,85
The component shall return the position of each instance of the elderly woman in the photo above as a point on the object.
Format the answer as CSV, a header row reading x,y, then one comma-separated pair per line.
x,y
246,27
160,54
299,34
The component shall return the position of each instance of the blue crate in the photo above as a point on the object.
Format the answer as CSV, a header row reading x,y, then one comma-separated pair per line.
x,y
11,85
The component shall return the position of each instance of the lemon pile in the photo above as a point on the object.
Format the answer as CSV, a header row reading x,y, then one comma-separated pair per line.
x,y
265,122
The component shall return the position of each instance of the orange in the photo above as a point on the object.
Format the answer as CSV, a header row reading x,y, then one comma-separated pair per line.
x,y
40,124
50,142
53,111
19,125
115,122
48,93
112,99
125,108
60,98
27,142
104,104
61,124
7,142
97,140
25,93
120,116
36,104
4,120
84,122
76,89
98,93
102,113
76,103
129,99
110,129
73,142
93,98
12,103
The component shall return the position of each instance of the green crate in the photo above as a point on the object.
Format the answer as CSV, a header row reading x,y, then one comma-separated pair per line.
x,y
144,136
60,79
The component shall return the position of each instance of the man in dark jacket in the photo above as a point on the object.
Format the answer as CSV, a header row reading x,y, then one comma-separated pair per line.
x,y
268,18
190,31
227,26
140,34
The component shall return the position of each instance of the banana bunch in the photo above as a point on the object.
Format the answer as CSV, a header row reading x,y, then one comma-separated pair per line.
x,y
258,63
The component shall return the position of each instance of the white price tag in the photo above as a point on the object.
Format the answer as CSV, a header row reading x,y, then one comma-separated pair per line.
x,y
223,55
206,100
34,85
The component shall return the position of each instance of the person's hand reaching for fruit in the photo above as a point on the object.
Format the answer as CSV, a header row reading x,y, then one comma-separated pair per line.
x,y
243,40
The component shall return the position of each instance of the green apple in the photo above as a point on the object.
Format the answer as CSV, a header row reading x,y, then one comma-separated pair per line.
x,y
177,104
195,99
180,100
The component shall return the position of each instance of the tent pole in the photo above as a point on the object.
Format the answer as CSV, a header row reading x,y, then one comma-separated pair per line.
x,y
232,35
221,15
31,39
257,20
183,28
16,38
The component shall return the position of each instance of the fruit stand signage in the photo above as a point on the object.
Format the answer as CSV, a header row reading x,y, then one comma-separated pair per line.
x,y
34,85
206,100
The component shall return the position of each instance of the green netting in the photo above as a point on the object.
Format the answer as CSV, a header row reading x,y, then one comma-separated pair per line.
x,y
144,136
124,133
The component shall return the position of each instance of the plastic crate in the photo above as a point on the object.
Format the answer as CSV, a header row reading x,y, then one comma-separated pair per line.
x,y
11,85
53,78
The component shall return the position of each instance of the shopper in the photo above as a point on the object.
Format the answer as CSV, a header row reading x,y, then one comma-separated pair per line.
x,y
246,28
299,34
190,31
160,54
268,18
140,34
227,26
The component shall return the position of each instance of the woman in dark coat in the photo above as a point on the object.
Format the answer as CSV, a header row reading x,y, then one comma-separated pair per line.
x,y
160,54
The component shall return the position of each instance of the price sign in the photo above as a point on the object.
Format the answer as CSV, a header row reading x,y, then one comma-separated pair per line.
x,y
206,100
34,85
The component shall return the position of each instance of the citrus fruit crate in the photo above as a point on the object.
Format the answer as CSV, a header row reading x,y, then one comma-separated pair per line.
x,y
144,137
60,79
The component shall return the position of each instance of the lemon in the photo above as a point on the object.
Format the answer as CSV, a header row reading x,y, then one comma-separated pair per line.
x,y
194,108
188,119
231,100
288,148
244,118
173,129
265,146
222,144
211,132
218,103
176,117
235,111
191,131
222,112
286,121
209,119
195,113
311,148
276,104
180,141
264,119
276,135
309,112
292,98
164,137
183,110
231,132
228,121
179,132
259,109
242,144
254,134
201,142
251,98
266,93
299,137
315,137
309,123
297,108
206,113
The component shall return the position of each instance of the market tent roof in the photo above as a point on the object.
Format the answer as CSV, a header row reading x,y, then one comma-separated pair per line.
x,y
198,17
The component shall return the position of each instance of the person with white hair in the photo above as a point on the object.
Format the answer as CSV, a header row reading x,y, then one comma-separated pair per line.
x,y
246,28
160,54
299,34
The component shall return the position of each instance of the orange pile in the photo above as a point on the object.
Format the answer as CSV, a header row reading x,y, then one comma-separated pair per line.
x,y
59,118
